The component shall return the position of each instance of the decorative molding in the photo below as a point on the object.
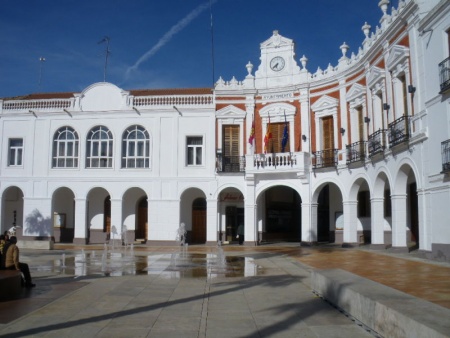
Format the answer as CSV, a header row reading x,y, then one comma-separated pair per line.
x,y
325,103
231,112
376,74
398,54
355,91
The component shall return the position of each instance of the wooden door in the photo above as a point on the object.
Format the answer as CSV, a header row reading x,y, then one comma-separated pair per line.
x,y
198,226
142,220
231,148
328,141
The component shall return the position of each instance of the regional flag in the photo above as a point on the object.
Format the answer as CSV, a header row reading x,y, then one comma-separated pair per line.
x,y
252,133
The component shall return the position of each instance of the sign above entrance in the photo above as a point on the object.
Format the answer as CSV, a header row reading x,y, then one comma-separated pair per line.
x,y
231,197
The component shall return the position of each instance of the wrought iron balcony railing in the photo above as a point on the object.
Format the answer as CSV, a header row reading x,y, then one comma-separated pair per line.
x,y
445,151
444,75
376,142
399,131
356,152
325,158
230,164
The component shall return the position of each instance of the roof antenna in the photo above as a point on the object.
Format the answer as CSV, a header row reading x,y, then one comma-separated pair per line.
x,y
41,64
107,52
212,42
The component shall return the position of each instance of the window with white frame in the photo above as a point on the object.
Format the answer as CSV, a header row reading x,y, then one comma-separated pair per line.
x,y
65,148
194,150
15,152
99,148
135,148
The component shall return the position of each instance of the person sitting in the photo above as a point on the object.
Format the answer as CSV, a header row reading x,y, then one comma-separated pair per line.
x,y
11,252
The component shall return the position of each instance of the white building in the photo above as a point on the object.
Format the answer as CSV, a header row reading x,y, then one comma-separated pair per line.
x,y
365,158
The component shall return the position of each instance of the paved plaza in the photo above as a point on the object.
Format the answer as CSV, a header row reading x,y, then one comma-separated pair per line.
x,y
202,291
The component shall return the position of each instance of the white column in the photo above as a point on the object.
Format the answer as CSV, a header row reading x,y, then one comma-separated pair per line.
x,y
377,220
350,222
211,221
116,218
250,224
309,227
424,229
80,231
399,220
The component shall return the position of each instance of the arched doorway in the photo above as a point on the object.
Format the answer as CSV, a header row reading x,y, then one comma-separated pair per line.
x,y
282,215
232,211
98,215
330,220
63,206
12,208
198,221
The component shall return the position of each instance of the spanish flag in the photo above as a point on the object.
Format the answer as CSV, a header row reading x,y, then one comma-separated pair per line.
x,y
252,133
267,138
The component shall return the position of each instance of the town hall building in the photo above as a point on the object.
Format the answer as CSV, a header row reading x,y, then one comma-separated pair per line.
x,y
354,154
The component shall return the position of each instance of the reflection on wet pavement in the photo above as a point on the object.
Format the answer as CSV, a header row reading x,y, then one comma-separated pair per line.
x,y
125,261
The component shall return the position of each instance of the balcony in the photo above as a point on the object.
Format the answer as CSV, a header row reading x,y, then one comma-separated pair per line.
x,y
356,152
297,162
445,152
444,75
230,164
399,131
377,142
325,158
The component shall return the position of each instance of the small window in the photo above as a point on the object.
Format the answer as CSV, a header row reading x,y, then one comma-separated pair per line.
x,y
194,150
15,152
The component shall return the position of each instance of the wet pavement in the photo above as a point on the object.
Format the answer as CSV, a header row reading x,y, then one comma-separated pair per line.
x,y
202,291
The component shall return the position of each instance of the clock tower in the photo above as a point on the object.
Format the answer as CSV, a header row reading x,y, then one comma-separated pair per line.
x,y
278,67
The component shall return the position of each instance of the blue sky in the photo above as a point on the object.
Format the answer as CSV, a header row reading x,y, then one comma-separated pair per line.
x,y
164,44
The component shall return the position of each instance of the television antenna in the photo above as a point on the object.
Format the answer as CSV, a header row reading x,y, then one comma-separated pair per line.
x,y
107,52
41,64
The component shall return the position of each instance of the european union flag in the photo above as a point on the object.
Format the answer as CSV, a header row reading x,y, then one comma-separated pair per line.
x,y
285,138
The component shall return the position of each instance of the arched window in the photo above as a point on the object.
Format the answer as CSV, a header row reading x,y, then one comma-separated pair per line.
x,y
99,148
135,148
65,148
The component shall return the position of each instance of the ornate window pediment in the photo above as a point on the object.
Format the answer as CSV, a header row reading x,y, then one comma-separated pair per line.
x,y
325,106
397,55
355,92
231,112
376,75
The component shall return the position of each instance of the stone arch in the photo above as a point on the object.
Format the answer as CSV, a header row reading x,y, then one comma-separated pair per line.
x,y
231,210
12,208
98,215
135,215
63,211
279,213
194,217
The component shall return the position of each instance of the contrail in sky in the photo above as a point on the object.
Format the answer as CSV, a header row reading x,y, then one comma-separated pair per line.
x,y
178,27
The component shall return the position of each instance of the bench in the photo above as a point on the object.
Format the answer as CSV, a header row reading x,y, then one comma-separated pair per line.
x,y
10,283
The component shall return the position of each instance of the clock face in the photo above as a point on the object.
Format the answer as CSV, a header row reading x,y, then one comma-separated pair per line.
x,y
277,63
